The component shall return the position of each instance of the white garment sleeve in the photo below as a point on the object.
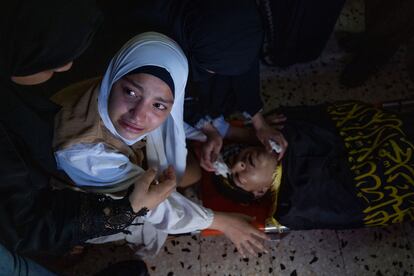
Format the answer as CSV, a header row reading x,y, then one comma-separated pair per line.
x,y
219,123
192,133
177,214
96,165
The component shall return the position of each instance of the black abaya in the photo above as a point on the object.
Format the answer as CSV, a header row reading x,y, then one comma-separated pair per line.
x,y
36,36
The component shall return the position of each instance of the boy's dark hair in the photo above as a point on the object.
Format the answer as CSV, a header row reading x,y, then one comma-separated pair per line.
x,y
229,189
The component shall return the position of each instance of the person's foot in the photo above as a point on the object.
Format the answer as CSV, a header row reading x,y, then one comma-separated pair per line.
x,y
356,73
365,63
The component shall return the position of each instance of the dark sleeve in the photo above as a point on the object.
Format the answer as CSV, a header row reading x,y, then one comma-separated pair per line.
x,y
247,90
223,95
34,218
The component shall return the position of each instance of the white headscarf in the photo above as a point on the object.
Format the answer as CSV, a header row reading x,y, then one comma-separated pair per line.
x,y
166,144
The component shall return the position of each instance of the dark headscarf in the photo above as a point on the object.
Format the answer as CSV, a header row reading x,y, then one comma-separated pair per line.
x,y
44,34
37,35
158,72
223,36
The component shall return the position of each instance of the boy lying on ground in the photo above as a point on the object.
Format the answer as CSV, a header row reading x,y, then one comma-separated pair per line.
x,y
348,165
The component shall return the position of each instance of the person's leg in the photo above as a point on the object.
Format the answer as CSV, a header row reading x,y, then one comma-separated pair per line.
x,y
410,59
13,264
388,25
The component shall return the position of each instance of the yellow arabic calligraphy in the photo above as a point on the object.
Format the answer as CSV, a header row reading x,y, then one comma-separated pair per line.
x,y
381,159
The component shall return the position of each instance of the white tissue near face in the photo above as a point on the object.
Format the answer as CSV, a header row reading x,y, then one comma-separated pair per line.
x,y
221,167
275,146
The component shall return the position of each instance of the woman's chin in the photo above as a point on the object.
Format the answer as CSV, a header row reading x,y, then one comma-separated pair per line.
x,y
129,135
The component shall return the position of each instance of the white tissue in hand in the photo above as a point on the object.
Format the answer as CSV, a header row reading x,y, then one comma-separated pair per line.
x,y
221,167
275,146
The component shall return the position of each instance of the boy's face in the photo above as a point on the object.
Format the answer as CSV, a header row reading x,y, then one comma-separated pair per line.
x,y
138,104
252,170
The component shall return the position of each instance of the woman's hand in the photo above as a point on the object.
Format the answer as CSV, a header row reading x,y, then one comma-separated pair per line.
x,y
276,120
149,196
238,228
265,132
210,150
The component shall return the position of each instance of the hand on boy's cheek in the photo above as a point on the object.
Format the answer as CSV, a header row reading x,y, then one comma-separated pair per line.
x,y
268,133
208,156
276,120
210,150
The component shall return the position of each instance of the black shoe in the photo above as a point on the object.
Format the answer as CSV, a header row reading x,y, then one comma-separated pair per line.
x,y
356,73
365,64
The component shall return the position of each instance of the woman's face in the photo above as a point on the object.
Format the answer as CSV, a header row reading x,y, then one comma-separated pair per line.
x,y
252,170
138,104
40,77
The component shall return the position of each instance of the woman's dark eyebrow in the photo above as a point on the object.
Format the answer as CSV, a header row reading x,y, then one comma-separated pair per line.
x,y
137,85
134,83
160,99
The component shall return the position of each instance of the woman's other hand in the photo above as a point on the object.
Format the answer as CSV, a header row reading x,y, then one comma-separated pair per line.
x,y
238,228
149,196
210,150
276,120
265,132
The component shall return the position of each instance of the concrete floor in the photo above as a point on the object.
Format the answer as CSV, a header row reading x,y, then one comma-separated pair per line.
x,y
384,251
